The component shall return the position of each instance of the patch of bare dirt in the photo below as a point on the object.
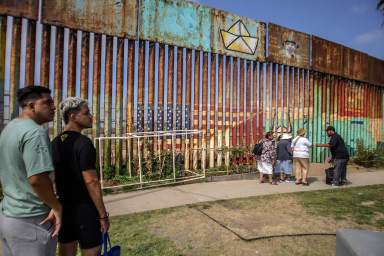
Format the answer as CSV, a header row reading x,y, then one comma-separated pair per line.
x,y
196,234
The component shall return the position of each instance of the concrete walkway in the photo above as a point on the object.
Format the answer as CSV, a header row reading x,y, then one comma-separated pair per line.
x,y
165,197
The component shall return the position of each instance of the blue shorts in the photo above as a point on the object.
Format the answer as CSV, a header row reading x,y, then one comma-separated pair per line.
x,y
284,166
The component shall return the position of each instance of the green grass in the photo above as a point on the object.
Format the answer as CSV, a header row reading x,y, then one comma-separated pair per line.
x,y
363,205
131,234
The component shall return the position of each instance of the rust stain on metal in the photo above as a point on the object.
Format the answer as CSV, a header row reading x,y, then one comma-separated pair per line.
x,y
30,54
108,89
220,113
20,8
241,109
248,130
288,47
287,89
211,98
118,18
327,56
261,98
119,89
96,87
179,94
58,89
119,105
301,97
170,77
140,92
131,52
273,93
169,105
234,105
179,76
151,79
279,106
71,85
161,92
195,103
84,66
151,88
44,64
189,86
107,151
354,64
267,97
15,69
376,71
255,99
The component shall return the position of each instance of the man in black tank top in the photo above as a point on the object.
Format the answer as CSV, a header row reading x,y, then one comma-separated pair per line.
x,y
74,157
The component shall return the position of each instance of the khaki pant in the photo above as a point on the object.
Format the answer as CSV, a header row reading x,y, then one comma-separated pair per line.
x,y
26,237
301,166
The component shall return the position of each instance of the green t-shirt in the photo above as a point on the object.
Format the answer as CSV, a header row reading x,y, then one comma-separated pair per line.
x,y
24,151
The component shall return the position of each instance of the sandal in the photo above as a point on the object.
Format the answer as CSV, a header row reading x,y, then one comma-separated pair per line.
x,y
298,182
305,184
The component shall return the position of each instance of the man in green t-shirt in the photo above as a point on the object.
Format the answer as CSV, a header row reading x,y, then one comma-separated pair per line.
x,y
30,214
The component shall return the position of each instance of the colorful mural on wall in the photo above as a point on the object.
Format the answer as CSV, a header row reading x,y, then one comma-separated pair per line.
x,y
192,67
110,17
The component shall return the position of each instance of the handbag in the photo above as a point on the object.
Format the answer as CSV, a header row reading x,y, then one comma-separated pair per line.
x,y
113,250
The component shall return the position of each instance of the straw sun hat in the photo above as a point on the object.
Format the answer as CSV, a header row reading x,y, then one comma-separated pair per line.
x,y
301,132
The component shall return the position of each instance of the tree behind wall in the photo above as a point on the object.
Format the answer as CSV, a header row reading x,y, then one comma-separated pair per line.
x,y
380,6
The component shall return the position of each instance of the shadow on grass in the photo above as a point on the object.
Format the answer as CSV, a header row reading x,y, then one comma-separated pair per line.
x,y
363,205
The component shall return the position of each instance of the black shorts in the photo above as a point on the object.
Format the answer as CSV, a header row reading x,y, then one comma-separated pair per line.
x,y
80,223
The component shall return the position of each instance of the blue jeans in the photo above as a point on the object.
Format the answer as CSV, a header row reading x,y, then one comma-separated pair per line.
x,y
340,171
283,166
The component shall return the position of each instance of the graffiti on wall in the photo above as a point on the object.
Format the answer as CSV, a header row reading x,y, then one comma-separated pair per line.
x,y
288,47
237,38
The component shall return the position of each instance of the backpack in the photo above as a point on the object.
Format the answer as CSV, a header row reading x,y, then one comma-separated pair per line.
x,y
258,149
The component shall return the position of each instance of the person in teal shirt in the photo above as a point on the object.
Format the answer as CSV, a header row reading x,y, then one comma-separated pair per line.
x,y
30,214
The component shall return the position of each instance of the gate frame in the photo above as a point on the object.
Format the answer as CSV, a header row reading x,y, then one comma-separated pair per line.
x,y
151,134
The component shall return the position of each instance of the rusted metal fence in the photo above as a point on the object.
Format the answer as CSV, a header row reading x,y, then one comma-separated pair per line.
x,y
137,80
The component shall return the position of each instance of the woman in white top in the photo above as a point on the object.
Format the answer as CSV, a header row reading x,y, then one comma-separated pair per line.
x,y
300,147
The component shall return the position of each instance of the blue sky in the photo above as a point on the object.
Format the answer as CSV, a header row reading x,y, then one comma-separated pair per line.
x,y
353,23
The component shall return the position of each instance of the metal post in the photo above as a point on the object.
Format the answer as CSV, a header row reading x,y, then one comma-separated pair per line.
x,y
173,157
139,153
100,163
129,158
204,149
